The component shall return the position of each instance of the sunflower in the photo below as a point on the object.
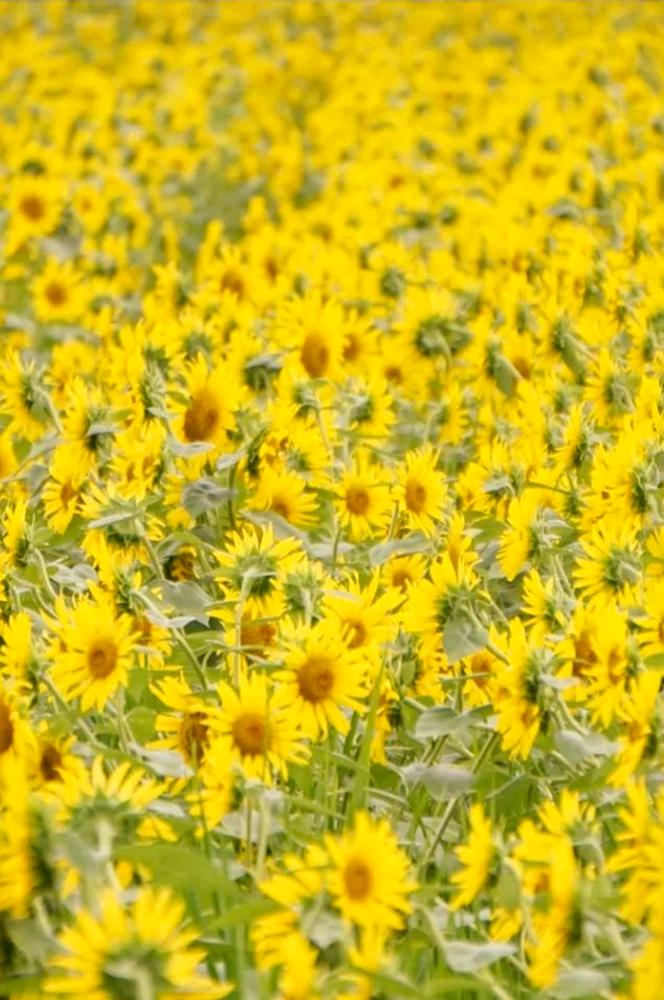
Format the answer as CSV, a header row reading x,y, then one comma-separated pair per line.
x,y
518,690
187,726
476,856
315,331
322,677
35,204
61,493
364,504
421,490
401,572
131,950
369,878
208,412
92,651
58,294
285,493
610,567
363,620
255,726
254,568
23,397
87,426
433,603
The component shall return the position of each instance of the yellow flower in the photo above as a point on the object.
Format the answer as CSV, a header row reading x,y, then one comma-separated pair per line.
x,y
256,727
188,731
610,568
137,947
369,880
254,568
58,294
285,493
62,491
518,690
208,413
92,651
364,504
422,489
322,677
476,857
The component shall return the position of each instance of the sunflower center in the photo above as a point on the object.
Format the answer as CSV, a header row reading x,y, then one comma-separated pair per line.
x,y
194,735
401,578
50,763
6,727
357,879
360,634
584,654
352,348
56,294
416,496
282,508
316,678
32,208
257,634
357,500
102,658
394,374
249,732
523,367
67,494
315,355
202,418
232,282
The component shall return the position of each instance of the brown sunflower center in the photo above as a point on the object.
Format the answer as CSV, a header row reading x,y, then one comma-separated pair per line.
x,y
316,678
523,367
6,727
359,633
416,496
102,658
232,282
56,294
584,654
352,348
33,208
315,355
357,879
394,374
357,500
50,763
281,508
249,733
67,494
202,418
257,634
194,735
401,578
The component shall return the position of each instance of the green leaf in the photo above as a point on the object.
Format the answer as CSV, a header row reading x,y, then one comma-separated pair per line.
x,y
462,637
241,915
444,721
18,986
577,983
414,542
182,868
204,494
442,781
462,956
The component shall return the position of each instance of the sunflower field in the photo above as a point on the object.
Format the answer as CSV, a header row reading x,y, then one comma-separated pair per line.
x,y
331,500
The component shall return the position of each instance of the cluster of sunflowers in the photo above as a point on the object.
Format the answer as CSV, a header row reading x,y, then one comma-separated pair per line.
x,y
331,500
